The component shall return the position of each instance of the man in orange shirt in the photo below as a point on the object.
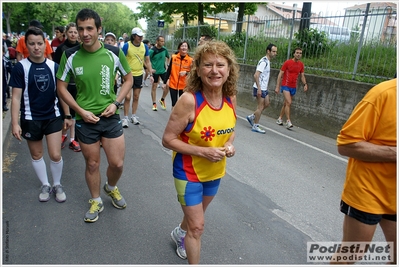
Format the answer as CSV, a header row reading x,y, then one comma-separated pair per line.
x,y
22,51
368,138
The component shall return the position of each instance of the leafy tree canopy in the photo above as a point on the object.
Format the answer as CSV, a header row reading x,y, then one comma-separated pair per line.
x,y
116,17
190,11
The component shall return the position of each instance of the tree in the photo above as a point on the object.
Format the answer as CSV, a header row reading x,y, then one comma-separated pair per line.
x,y
152,28
53,14
240,17
8,10
305,16
116,17
192,11
188,11
243,9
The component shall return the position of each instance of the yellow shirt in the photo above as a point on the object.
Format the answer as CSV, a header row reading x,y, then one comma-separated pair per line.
x,y
210,128
371,186
135,57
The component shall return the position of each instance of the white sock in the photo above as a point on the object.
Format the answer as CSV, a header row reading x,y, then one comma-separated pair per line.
x,y
71,140
40,169
181,232
111,187
56,171
126,117
98,199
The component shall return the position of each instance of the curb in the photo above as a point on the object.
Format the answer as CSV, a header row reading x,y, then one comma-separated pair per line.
x,y
6,121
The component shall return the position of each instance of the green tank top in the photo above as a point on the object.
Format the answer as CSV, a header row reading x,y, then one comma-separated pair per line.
x,y
94,74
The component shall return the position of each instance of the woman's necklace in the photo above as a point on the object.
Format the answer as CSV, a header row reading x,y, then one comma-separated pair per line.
x,y
212,104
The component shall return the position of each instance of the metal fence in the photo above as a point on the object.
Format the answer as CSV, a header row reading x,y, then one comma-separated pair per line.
x,y
360,45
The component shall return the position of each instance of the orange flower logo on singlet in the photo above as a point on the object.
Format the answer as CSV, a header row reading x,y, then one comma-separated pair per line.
x,y
208,133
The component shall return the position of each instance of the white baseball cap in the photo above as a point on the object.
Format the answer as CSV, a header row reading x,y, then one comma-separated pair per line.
x,y
110,33
137,31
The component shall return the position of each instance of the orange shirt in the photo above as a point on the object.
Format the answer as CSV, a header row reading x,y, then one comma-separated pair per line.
x,y
21,48
371,186
176,81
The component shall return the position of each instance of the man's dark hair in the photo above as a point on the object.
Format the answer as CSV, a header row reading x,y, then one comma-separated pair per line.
x,y
297,48
86,14
61,29
34,31
159,36
146,41
269,47
35,23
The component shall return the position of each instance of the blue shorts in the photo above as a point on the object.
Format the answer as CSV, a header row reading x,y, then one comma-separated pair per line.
x,y
289,89
191,193
364,217
264,92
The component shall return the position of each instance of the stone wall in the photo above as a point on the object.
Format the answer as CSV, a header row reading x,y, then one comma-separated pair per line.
x,y
323,109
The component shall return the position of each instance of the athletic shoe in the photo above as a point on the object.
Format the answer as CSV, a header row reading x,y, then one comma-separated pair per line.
x,y
134,120
125,124
74,146
45,192
60,196
63,141
179,240
145,83
289,124
256,128
95,208
117,200
163,104
279,121
154,107
250,119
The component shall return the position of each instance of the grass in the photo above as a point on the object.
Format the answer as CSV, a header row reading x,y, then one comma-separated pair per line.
x,y
376,62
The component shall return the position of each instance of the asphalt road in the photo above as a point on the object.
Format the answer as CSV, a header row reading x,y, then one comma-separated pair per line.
x,y
282,190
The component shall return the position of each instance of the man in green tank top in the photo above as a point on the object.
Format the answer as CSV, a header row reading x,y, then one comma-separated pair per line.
x,y
93,65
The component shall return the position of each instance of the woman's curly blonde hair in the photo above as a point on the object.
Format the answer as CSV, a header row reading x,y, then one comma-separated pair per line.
x,y
219,48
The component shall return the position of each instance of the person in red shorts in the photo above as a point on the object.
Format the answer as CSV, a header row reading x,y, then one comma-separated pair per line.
x,y
287,78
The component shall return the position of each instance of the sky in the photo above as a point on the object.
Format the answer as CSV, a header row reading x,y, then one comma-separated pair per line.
x,y
133,5
325,7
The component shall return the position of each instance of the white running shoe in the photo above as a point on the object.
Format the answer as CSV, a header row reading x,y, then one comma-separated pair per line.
x,y
134,120
179,240
250,119
256,129
279,121
124,123
289,125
